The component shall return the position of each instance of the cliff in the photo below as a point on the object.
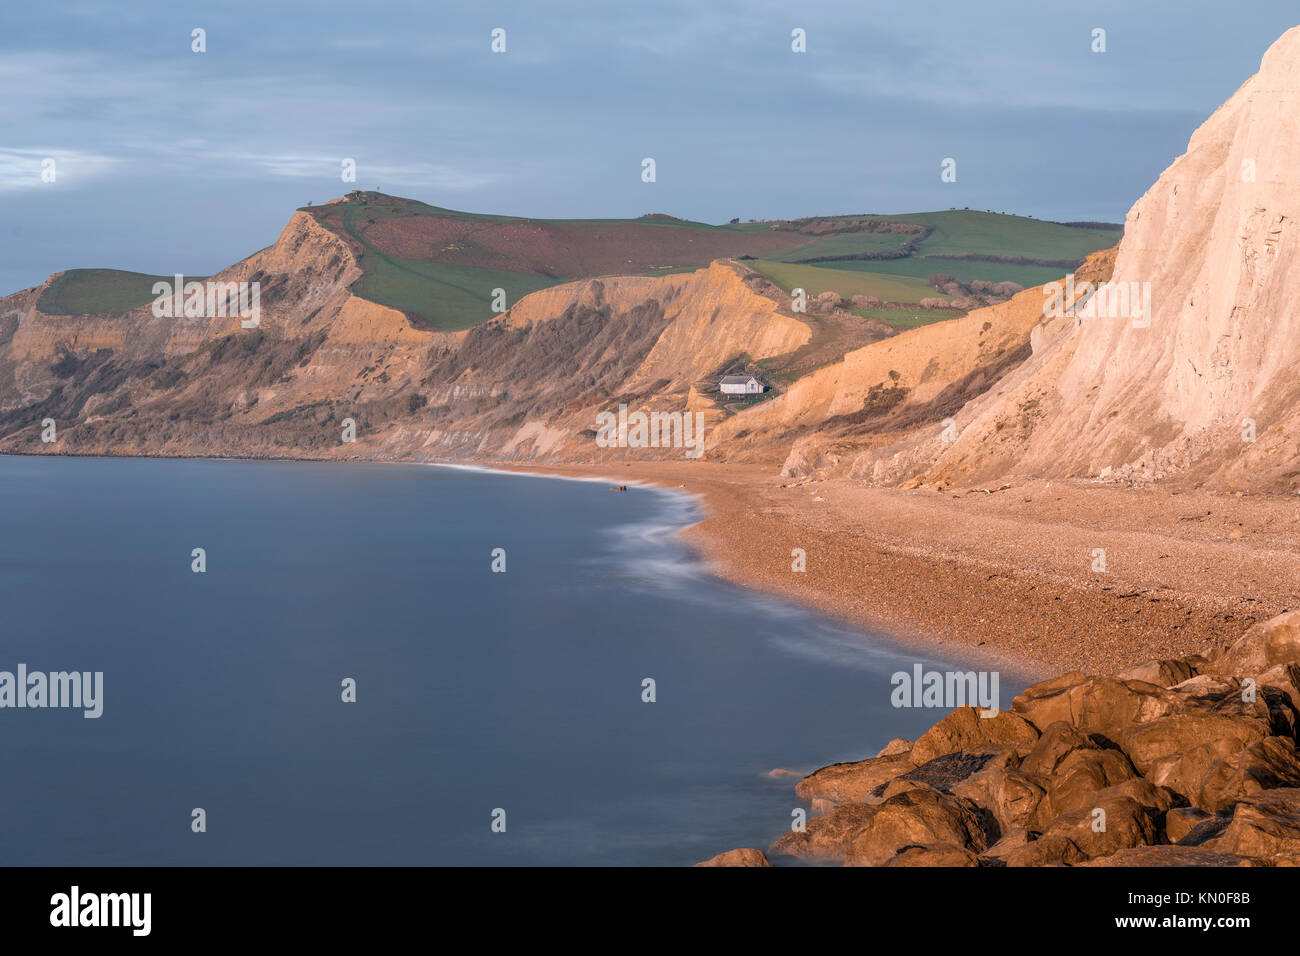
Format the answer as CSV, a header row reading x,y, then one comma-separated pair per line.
x,y
1195,388
525,385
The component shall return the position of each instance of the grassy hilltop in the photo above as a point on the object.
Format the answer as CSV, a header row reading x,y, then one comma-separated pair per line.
x,y
440,266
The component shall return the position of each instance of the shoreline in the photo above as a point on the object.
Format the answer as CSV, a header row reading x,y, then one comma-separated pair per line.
x,y
1002,577
707,538
1009,581
699,540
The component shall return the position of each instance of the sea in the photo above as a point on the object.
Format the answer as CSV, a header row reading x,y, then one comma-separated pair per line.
x,y
404,664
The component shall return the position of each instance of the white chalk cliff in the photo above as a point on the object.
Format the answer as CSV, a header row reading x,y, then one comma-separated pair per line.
x,y
1130,399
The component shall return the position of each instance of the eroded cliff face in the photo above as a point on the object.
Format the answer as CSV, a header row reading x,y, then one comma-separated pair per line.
x,y
895,387
527,385
531,384
136,383
889,410
1200,388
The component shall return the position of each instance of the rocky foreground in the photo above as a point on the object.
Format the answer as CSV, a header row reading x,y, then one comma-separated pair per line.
x,y
1180,762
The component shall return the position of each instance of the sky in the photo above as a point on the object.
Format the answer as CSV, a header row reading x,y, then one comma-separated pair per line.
x,y
169,160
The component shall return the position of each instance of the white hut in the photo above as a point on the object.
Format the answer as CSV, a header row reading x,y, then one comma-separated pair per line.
x,y
740,385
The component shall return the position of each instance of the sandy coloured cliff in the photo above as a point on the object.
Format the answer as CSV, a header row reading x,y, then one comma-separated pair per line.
x,y
525,385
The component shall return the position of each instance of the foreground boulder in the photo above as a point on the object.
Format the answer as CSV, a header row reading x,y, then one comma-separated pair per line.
x,y
1267,644
1104,706
1058,740
1172,856
1267,764
1014,799
1177,752
943,855
850,782
1262,825
1083,774
826,838
919,817
1048,850
1116,821
1164,673
745,857
1181,821
966,729
1285,678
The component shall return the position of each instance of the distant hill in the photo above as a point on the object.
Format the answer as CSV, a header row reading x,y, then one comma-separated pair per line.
x,y
441,267
100,291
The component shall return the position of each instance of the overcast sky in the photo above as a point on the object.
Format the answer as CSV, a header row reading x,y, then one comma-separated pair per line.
x,y
167,160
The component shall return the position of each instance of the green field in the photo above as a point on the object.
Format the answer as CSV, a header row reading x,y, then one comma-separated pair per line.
x,y
101,291
963,269
445,296
969,231
847,244
815,279
450,297
953,233
903,319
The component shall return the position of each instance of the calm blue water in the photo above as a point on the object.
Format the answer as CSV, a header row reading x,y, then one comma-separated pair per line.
x,y
475,690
